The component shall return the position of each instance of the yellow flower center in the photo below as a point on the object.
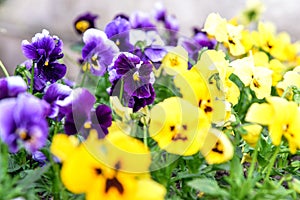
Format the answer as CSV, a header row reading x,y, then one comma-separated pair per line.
x,y
46,63
87,125
82,25
174,61
256,83
23,134
218,148
136,76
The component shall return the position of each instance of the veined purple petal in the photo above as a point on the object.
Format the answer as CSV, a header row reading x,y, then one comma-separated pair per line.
x,y
102,119
54,72
137,103
117,26
29,50
56,91
125,62
155,54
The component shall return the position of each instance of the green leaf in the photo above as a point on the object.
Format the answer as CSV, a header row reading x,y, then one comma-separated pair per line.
x,y
208,186
32,176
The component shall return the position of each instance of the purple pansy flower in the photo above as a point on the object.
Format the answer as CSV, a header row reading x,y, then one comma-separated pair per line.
x,y
98,51
140,20
12,86
159,12
194,45
23,121
54,93
118,31
81,116
135,77
84,22
44,51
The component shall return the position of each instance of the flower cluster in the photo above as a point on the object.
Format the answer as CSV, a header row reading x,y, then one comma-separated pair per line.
x,y
156,114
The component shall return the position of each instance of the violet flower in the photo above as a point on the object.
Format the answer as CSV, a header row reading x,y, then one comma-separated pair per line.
x,y
80,115
85,22
54,93
134,77
98,51
12,86
45,51
23,122
118,31
141,20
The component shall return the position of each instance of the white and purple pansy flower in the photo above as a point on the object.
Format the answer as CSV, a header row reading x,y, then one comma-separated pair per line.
x,y
98,51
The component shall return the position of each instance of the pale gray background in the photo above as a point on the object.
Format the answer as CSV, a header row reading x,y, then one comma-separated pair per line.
x,y
21,19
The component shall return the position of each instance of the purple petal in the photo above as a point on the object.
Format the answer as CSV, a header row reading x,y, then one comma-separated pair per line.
x,y
56,91
155,54
54,72
7,124
29,50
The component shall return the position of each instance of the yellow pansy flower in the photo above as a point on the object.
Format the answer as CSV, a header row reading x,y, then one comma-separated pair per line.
x,y
290,78
104,169
226,33
282,118
178,126
259,79
207,85
252,134
217,147
175,61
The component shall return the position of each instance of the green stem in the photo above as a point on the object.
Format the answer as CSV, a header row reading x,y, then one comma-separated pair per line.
x,y
121,90
31,79
271,163
145,132
83,78
4,69
253,162
3,159
217,46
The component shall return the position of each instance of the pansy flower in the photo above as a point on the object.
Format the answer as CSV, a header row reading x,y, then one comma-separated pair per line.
x,y
217,147
225,32
12,86
118,31
107,168
282,118
176,61
45,51
23,122
290,78
80,115
134,77
258,78
84,22
252,133
141,20
178,126
98,51
54,93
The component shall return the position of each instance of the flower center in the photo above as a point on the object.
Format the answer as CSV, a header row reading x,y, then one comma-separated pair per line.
x,y
23,134
136,76
114,183
218,148
174,61
82,25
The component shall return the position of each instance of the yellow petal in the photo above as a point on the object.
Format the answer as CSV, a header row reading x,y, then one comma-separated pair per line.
x,y
217,147
63,145
148,189
260,113
253,134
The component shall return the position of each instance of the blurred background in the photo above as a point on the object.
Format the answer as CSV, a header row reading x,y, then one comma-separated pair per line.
x,y
20,20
